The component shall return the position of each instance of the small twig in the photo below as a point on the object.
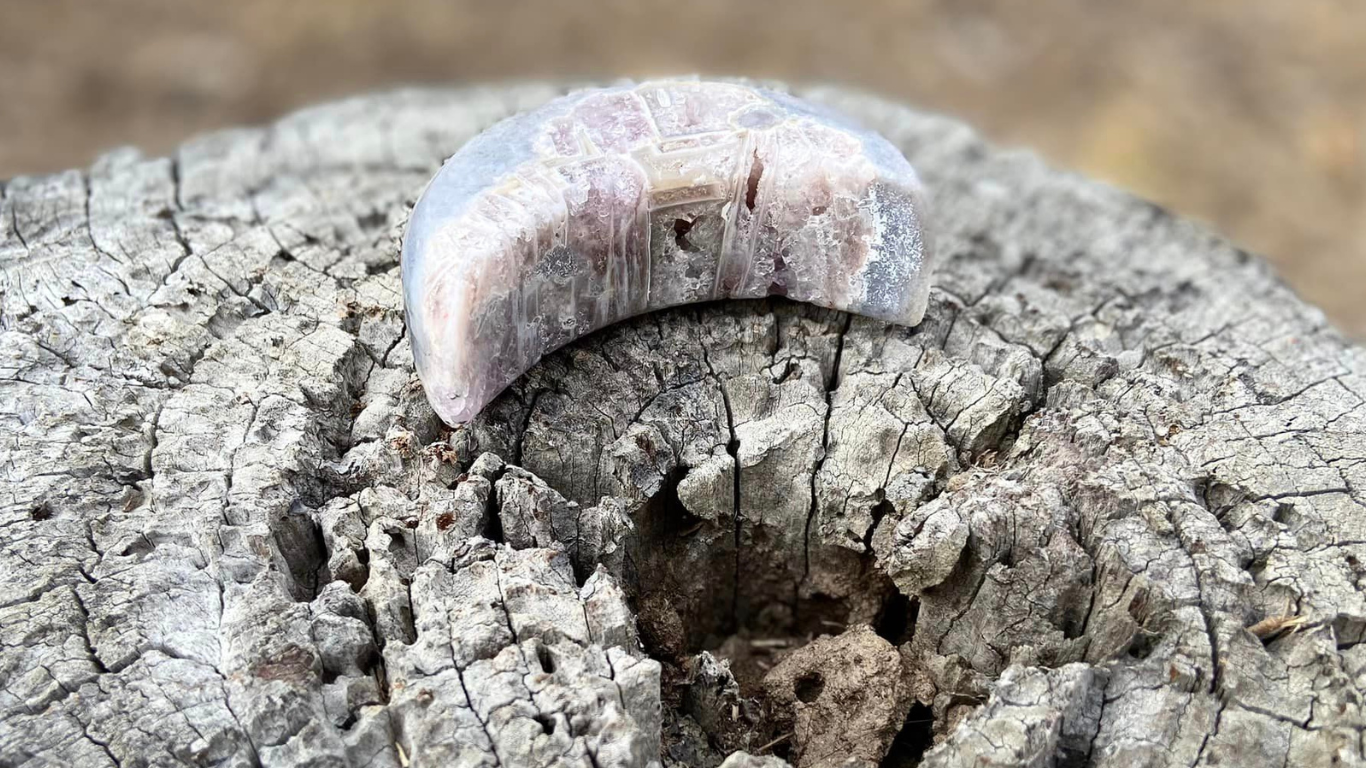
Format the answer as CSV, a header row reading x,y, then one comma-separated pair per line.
x,y
773,743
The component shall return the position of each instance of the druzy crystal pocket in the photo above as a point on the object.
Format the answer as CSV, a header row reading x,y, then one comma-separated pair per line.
x,y
612,202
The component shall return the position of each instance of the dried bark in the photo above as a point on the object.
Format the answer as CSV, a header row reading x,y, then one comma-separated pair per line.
x,y
235,533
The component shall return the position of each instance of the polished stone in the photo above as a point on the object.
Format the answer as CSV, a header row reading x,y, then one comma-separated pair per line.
x,y
612,202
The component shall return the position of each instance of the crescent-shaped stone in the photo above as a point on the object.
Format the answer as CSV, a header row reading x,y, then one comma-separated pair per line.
x,y
608,203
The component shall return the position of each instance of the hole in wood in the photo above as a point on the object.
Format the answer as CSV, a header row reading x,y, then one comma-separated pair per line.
x,y
809,687
547,661
915,736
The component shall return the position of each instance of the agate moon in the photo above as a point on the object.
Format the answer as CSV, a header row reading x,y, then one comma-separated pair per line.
x,y
608,203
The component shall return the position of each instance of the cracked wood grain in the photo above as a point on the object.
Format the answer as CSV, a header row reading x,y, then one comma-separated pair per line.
x,y
235,533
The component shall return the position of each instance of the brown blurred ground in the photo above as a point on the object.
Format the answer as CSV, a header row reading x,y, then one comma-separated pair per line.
x,y
1248,113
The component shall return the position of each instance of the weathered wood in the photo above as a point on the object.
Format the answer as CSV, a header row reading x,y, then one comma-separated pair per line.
x,y
235,534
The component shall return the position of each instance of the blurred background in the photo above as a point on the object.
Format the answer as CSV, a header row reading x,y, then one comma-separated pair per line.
x,y
1249,114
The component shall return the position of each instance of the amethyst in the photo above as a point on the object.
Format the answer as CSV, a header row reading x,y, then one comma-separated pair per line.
x,y
611,202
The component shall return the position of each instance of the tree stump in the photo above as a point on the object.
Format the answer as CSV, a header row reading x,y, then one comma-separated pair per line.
x,y
1103,507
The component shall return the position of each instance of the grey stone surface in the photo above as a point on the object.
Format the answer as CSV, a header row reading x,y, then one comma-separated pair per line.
x,y
235,533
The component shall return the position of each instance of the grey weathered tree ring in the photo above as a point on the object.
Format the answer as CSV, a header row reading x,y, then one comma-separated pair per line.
x,y
1115,481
